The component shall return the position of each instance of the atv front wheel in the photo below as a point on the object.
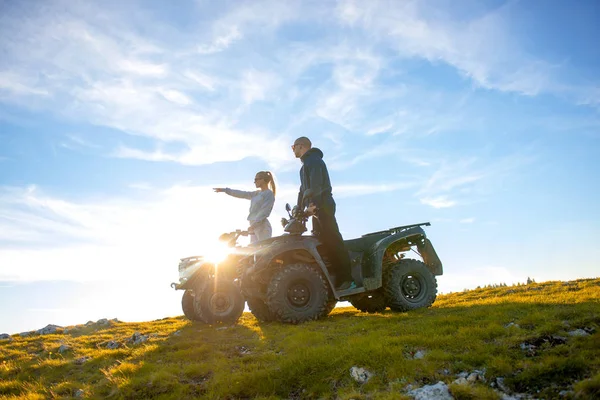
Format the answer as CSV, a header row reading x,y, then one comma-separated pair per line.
x,y
298,293
220,301
260,309
409,285
187,304
372,302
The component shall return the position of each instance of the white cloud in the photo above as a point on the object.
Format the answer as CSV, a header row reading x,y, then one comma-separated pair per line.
x,y
467,220
79,239
175,96
354,190
143,68
255,85
415,31
77,67
438,202
97,239
207,82
17,85
467,180
221,42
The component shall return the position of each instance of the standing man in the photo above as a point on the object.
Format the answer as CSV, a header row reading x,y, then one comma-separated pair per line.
x,y
314,176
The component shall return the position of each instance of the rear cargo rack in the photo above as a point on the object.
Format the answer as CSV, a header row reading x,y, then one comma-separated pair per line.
x,y
397,229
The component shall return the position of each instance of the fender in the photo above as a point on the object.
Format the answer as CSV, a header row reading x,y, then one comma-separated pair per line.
x,y
197,278
287,244
374,256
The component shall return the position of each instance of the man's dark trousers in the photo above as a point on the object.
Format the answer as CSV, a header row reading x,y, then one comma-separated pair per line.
x,y
326,228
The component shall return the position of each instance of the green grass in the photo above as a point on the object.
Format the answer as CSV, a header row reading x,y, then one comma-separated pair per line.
x,y
462,332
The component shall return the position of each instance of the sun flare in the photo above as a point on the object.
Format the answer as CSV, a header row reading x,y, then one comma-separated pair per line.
x,y
216,253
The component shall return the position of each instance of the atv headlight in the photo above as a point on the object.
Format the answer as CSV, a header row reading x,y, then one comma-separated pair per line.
x,y
217,253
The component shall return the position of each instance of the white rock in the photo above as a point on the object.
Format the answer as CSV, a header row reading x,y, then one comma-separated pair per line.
x,y
511,325
578,332
360,375
112,345
461,381
473,377
138,338
79,393
102,321
63,348
5,336
501,385
420,354
48,329
26,334
439,391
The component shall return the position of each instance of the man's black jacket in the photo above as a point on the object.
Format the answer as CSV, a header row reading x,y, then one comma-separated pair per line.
x,y
314,175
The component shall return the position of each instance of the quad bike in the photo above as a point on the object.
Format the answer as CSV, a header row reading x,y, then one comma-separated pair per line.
x,y
288,278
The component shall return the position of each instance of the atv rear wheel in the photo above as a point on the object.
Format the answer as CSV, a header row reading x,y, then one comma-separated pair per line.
x,y
220,301
298,293
260,309
371,302
187,304
409,285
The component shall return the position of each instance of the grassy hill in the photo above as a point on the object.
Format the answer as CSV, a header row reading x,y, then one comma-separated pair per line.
x,y
534,341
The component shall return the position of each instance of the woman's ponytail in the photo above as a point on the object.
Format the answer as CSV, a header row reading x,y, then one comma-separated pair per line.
x,y
272,182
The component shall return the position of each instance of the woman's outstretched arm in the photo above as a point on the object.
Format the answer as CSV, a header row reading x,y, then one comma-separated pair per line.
x,y
241,194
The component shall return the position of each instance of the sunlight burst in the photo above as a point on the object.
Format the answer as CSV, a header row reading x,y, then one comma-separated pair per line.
x,y
216,253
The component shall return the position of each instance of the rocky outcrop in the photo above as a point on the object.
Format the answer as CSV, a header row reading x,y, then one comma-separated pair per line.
x,y
439,391
360,375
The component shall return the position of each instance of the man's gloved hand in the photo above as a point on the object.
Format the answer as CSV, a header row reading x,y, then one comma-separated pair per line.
x,y
311,209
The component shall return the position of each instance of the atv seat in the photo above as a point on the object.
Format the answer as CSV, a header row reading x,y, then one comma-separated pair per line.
x,y
364,243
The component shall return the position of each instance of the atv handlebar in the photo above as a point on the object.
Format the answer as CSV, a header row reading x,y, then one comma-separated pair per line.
x,y
232,237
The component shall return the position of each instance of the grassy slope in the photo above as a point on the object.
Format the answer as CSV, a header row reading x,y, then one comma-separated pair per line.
x,y
461,332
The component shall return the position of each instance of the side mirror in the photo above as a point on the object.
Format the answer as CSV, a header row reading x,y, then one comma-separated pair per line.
x,y
287,207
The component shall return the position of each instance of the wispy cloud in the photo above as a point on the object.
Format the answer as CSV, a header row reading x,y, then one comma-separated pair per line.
x,y
206,90
222,42
438,202
355,190
113,234
465,181
108,235
75,142
17,85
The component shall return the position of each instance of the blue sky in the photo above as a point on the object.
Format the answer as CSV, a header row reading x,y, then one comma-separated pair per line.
x,y
116,120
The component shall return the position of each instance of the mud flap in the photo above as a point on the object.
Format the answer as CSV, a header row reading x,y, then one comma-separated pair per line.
x,y
430,257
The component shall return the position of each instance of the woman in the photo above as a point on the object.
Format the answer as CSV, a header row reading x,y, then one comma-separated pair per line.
x,y
261,204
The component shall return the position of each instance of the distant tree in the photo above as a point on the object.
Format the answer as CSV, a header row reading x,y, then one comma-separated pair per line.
x,y
529,281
